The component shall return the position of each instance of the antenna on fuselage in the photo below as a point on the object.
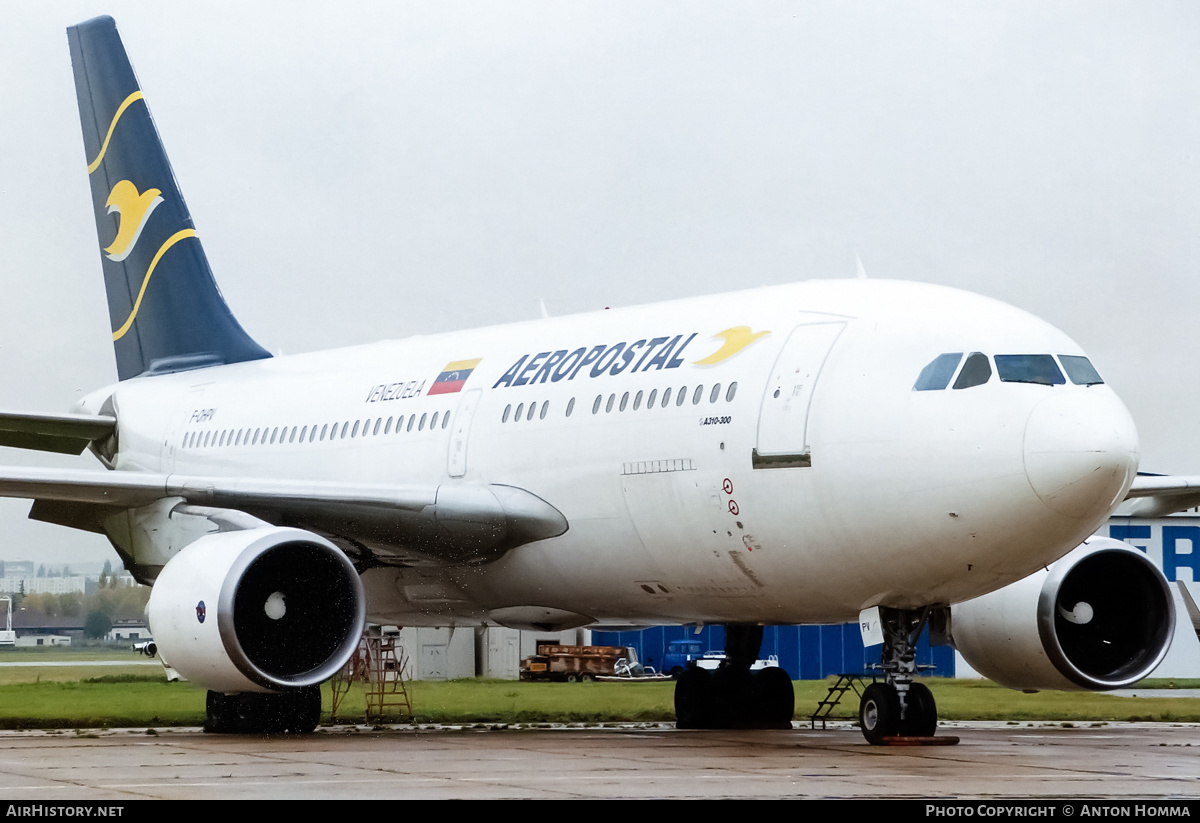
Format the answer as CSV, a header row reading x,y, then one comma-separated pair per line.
x,y
862,273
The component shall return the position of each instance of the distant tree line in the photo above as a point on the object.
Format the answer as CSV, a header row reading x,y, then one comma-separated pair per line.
x,y
113,600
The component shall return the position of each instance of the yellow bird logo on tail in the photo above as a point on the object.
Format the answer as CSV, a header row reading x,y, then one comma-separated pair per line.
x,y
134,210
736,339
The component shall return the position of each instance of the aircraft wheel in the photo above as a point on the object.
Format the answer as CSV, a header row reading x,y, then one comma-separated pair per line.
x,y
773,697
304,710
220,714
922,713
730,706
879,713
694,695
267,713
296,711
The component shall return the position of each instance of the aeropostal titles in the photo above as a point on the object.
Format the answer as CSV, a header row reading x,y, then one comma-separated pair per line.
x,y
641,355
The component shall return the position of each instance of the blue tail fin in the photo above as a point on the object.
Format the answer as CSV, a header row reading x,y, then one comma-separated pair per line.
x,y
166,311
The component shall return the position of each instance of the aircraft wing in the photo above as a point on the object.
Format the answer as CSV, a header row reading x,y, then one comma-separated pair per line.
x,y
455,523
1154,495
62,433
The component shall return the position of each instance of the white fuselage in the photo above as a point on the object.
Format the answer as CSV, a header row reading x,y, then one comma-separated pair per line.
x,y
864,492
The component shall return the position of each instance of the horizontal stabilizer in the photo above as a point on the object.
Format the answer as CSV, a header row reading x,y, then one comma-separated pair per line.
x,y
460,523
1155,495
61,433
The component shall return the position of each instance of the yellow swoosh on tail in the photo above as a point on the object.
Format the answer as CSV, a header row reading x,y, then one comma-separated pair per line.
x,y
129,101
736,339
171,241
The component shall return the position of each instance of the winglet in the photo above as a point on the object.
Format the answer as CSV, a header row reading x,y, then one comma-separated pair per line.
x,y
166,311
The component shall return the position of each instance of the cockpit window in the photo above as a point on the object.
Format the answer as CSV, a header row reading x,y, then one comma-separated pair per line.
x,y
936,376
1029,368
1080,370
975,372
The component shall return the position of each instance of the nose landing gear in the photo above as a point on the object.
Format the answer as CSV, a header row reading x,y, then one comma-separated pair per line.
x,y
899,707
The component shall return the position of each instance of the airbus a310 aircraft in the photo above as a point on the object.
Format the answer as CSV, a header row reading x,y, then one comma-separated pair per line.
x,y
818,452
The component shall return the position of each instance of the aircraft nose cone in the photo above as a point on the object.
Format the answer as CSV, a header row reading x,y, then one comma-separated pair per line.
x,y
1081,452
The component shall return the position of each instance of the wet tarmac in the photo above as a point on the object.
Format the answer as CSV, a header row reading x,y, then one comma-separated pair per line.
x,y
992,760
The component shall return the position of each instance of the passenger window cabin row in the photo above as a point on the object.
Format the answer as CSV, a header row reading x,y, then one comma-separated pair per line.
x,y
316,433
372,427
628,400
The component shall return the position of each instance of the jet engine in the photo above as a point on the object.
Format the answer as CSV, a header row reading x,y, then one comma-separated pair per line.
x,y
259,610
1100,618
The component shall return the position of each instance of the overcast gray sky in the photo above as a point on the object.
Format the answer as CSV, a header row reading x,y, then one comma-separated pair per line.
x,y
391,169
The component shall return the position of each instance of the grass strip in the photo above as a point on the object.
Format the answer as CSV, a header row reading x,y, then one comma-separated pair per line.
x,y
135,700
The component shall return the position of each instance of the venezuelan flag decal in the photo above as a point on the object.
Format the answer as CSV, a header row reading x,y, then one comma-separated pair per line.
x,y
453,376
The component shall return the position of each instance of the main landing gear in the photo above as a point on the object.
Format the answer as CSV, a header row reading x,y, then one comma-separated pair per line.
x,y
898,707
733,696
297,711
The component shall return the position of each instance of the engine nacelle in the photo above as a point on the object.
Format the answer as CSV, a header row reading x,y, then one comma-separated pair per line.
x,y
257,610
1100,618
